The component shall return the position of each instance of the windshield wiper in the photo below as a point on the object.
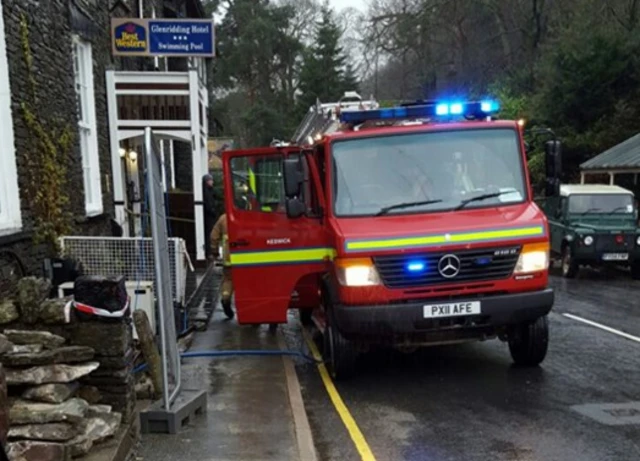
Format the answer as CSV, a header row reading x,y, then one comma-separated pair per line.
x,y
398,206
618,209
590,210
479,198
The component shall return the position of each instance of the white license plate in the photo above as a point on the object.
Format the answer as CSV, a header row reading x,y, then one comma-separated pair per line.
x,y
452,309
615,256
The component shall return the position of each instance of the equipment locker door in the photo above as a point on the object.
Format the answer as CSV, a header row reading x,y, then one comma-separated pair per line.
x,y
269,252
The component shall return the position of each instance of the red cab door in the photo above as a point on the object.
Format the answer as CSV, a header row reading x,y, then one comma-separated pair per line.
x,y
270,253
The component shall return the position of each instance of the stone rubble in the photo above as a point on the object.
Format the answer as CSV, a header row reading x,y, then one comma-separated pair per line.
x,y
68,382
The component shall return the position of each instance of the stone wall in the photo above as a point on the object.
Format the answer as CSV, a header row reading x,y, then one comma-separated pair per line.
x,y
70,379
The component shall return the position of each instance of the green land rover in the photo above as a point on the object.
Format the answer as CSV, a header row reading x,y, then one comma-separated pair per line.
x,y
594,225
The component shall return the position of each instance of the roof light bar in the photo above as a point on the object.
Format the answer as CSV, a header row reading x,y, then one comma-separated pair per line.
x,y
434,110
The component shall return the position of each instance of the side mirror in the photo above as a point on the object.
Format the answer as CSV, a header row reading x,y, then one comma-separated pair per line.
x,y
295,208
293,177
553,167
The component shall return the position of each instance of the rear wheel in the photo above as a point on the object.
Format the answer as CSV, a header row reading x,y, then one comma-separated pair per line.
x,y
635,271
569,265
528,342
339,353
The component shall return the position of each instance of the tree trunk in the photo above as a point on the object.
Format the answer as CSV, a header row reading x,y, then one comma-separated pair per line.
x,y
149,349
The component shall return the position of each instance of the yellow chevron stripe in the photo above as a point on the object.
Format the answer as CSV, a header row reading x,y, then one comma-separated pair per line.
x,y
282,257
466,237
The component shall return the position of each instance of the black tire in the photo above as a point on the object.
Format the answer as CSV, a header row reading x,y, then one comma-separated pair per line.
x,y
306,317
569,266
528,342
635,271
339,353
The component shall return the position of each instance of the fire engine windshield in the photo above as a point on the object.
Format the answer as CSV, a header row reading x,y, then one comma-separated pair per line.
x,y
426,172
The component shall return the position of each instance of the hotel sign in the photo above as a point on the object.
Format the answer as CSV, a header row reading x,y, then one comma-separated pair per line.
x,y
163,37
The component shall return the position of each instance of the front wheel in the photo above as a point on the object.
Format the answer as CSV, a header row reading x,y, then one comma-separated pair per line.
x,y
569,265
528,342
635,271
339,353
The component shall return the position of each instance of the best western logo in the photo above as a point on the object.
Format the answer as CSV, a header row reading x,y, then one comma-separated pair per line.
x,y
131,37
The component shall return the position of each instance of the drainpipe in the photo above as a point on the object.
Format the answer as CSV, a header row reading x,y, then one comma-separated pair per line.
x,y
156,61
141,8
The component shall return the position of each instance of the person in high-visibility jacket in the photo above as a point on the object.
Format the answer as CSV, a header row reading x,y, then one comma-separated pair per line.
x,y
220,238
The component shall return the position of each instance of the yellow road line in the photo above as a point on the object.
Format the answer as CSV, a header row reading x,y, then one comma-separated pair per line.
x,y
354,431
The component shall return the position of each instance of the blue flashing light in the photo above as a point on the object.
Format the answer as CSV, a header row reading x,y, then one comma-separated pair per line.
x,y
456,108
416,266
442,109
489,106
423,110
483,261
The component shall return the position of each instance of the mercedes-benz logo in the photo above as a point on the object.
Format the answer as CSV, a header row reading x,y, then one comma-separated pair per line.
x,y
449,266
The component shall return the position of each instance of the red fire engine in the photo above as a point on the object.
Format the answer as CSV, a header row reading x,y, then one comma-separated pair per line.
x,y
412,225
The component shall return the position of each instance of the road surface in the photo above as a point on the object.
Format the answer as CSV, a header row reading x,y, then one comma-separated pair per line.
x,y
468,403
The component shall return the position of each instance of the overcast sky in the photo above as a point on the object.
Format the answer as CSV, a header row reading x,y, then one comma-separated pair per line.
x,y
339,4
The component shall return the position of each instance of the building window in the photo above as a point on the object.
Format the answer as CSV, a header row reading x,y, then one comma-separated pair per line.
x,y
10,217
87,127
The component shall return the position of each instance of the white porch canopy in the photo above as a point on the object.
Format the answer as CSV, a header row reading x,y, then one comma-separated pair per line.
x,y
173,104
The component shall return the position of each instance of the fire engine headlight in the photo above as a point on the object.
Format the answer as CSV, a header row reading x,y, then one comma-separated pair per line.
x,y
534,258
588,240
357,272
638,241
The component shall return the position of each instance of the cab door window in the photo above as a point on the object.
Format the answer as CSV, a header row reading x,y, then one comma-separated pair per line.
x,y
258,184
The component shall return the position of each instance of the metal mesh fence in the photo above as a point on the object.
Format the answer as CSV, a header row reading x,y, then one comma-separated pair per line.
x,y
131,257
157,211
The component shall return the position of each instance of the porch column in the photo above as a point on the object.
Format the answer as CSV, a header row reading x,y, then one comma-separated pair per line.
x,y
197,169
172,162
116,160
582,178
611,178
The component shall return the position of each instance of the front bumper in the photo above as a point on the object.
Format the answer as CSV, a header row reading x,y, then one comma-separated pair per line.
x,y
393,320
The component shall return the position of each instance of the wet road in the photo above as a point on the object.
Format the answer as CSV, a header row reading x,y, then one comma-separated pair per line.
x,y
468,403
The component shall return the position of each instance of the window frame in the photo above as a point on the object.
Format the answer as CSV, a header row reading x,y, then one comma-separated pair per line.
x,y
334,170
10,212
82,53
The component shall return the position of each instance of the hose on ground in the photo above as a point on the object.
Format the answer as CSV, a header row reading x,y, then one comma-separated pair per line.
x,y
236,353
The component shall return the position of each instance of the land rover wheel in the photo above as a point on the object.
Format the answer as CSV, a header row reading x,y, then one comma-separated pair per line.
x,y
339,353
528,342
569,265
635,271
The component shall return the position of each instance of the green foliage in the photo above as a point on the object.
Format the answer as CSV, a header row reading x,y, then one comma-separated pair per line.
x,y
257,63
325,74
50,145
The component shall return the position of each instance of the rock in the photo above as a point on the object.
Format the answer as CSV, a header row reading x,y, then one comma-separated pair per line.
x,y
52,311
51,432
94,430
51,393
121,375
108,339
116,382
117,362
98,410
90,393
27,349
24,412
69,354
50,374
144,388
48,340
32,292
5,345
8,312
4,407
79,446
28,450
